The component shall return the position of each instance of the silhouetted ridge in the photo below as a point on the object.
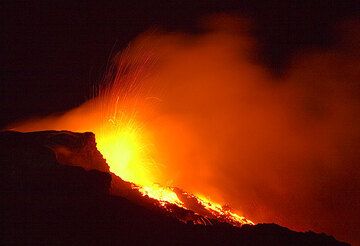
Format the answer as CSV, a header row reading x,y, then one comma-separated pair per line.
x,y
45,202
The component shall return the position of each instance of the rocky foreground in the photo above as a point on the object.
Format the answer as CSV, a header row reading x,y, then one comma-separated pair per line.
x,y
56,189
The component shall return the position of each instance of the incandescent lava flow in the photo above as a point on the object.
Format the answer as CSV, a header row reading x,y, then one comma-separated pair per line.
x,y
123,115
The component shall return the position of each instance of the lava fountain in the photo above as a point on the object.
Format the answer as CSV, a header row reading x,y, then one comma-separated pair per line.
x,y
122,136
126,140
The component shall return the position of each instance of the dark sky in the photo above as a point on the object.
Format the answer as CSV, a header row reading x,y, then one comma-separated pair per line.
x,y
52,53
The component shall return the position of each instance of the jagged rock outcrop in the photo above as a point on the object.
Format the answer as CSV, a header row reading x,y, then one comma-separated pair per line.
x,y
55,190
31,163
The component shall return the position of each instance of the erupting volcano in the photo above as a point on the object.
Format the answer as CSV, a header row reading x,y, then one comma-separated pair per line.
x,y
120,116
205,134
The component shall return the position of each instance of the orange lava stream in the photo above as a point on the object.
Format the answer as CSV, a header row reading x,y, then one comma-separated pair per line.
x,y
123,143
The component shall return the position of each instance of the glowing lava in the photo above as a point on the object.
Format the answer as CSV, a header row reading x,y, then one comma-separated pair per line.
x,y
125,152
126,145
123,122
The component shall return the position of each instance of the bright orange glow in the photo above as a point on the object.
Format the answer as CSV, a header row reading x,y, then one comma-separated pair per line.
x,y
162,194
127,147
124,149
124,146
218,210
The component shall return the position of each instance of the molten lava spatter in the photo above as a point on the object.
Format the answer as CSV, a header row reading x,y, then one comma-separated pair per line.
x,y
125,149
124,145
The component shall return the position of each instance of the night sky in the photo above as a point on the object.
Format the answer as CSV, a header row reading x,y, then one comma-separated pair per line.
x,y
53,53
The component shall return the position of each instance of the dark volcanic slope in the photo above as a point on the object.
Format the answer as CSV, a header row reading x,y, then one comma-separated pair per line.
x,y
47,202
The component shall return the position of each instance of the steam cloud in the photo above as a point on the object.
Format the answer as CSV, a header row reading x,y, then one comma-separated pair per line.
x,y
282,150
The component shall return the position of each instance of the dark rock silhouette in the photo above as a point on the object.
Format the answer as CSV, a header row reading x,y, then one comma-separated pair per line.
x,y
56,190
